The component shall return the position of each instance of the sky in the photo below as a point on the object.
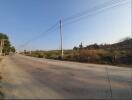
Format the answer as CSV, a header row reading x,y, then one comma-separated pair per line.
x,y
24,20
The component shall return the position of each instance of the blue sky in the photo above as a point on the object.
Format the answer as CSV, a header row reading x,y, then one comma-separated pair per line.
x,y
23,20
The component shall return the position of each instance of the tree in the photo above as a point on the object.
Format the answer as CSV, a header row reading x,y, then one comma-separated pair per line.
x,y
7,46
81,46
12,49
3,36
75,48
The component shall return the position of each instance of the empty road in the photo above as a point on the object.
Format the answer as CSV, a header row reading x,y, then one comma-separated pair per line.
x,y
35,78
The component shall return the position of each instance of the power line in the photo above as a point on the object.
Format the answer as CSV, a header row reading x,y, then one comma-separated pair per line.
x,y
51,29
74,18
93,14
93,11
82,13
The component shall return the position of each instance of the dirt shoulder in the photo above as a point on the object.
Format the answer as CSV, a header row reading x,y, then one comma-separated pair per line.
x,y
1,92
18,83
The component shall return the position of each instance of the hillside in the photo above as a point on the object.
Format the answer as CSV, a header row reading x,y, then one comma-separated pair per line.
x,y
123,45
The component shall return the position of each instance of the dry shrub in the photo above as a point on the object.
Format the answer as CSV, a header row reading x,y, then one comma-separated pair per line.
x,y
95,56
88,55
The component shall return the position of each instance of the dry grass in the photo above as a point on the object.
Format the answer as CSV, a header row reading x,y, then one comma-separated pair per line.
x,y
101,56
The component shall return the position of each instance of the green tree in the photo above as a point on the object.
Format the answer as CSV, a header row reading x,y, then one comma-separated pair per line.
x,y
3,36
12,49
7,46
75,48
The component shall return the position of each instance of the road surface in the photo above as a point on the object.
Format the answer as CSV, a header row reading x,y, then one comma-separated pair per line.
x,y
35,78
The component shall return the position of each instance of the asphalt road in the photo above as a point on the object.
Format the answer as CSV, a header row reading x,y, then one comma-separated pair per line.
x,y
34,78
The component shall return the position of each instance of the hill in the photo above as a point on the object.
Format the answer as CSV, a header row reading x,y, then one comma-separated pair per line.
x,y
123,45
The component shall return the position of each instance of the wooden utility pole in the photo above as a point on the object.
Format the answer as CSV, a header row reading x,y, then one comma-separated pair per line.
x,y
61,39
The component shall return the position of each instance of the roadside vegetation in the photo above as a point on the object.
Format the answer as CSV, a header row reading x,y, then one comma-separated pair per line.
x,y
6,46
5,49
114,54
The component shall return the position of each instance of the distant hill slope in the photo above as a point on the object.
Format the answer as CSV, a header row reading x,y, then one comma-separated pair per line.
x,y
124,45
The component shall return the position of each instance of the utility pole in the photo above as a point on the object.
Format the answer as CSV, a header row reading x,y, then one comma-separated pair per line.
x,y
61,39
